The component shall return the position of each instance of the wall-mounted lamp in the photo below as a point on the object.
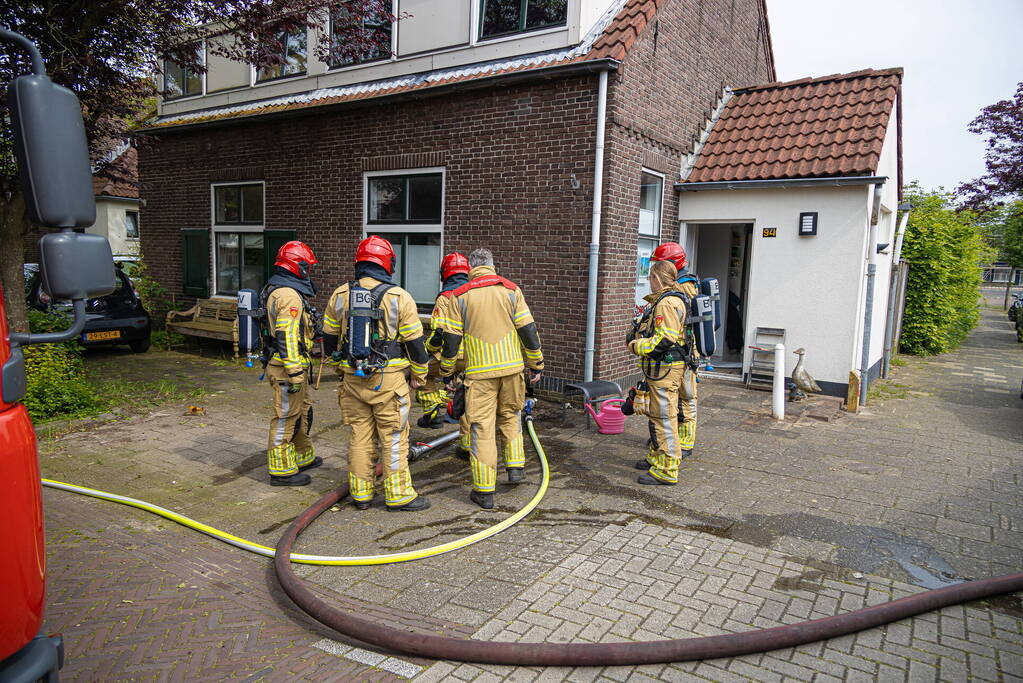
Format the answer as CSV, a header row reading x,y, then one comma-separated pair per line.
x,y
808,223
575,182
883,248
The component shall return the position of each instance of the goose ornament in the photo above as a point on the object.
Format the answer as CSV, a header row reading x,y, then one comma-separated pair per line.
x,y
801,378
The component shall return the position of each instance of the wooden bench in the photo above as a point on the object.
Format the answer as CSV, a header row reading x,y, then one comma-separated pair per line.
x,y
209,318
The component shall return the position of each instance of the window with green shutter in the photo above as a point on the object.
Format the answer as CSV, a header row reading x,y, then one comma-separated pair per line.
x,y
195,262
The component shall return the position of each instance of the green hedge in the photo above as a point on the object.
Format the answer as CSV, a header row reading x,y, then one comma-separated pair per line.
x,y
56,375
944,250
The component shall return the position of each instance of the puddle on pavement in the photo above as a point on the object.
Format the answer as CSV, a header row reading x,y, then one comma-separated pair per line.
x,y
862,548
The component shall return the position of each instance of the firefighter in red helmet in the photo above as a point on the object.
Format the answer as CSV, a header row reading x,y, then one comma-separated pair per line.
x,y
433,398
288,328
688,284
372,333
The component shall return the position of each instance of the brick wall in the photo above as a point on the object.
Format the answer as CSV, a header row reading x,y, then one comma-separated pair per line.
x,y
657,105
509,154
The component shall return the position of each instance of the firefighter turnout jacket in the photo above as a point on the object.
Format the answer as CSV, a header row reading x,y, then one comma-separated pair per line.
x,y
662,336
291,324
489,320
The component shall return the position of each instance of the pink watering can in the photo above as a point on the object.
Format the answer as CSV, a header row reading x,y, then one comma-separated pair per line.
x,y
609,416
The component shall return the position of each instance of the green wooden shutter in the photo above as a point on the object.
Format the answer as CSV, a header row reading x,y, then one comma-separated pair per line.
x,y
195,262
273,240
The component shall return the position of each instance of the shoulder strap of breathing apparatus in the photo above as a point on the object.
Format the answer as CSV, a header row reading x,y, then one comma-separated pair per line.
x,y
267,333
680,350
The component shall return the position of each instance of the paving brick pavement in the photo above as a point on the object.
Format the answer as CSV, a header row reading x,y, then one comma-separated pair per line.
x,y
919,490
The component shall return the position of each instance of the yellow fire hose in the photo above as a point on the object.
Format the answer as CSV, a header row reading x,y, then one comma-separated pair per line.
x,y
336,561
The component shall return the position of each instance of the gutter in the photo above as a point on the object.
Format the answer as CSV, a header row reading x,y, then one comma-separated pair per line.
x,y
785,183
513,78
594,249
889,325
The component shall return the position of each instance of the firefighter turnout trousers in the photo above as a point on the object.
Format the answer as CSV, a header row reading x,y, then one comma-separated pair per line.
x,y
666,454
494,404
378,414
290,446
687,410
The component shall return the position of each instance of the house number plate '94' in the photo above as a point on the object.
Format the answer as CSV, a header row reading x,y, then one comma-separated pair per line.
x,y
770,232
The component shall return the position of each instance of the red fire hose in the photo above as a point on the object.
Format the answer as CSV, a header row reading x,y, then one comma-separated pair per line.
x,y
613,654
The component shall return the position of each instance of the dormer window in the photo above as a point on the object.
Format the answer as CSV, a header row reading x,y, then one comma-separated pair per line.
x,y
376,33
507,17
294,49
180,81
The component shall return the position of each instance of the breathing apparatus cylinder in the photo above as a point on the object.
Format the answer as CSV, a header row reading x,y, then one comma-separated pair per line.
x,y
702,310
709,287
362,316
248,321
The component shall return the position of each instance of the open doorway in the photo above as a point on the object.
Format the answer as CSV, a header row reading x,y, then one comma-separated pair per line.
x,y
722,251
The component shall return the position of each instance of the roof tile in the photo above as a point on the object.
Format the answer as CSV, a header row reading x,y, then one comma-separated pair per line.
x,y
813,127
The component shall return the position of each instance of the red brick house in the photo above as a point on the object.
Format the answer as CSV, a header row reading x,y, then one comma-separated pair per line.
x,y
480,129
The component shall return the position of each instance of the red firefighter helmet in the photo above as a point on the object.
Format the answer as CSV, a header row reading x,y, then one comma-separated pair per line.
x,y
453,263
376,249
670,251
296,257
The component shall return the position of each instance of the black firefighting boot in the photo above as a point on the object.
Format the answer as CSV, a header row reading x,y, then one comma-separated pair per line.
x,y
516,475
414,505
462,454
362,504
649,479
642,465
484,500
297,479
431,419
686,452
315,462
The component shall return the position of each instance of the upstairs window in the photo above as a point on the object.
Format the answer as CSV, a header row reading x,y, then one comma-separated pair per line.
x,y
375,31
507,17
179,81
294,49
238,204
131,224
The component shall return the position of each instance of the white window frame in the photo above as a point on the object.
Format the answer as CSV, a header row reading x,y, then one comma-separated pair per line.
x,y
649,237
393,57
254,81
411,228
476,32
215,228
138,225
202,77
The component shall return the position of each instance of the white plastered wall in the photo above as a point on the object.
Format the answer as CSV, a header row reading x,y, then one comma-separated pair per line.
x,y
110,224
810,286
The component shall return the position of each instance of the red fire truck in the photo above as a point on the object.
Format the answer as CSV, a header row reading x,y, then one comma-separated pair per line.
x,y
53,162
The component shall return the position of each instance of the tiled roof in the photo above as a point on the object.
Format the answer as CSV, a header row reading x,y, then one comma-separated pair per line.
x,y
810,128
611,38
120,177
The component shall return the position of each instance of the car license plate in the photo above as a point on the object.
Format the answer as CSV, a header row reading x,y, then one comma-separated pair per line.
x,y
99,336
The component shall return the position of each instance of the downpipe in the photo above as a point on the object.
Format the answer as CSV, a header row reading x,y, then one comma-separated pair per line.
x,y
609,654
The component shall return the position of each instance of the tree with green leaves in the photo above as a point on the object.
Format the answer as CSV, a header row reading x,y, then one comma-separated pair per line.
x,y
944,248
107,51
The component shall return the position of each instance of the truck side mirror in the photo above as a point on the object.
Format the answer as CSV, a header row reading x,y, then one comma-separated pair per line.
x,y
53,157
76,265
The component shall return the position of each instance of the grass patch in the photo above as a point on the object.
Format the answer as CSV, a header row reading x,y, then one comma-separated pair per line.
x,y
884,389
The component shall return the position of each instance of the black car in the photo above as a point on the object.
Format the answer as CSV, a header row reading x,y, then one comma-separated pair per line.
x,y
117,318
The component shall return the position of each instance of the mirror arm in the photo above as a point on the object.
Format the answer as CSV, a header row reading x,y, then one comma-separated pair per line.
x,y
38,67
76,328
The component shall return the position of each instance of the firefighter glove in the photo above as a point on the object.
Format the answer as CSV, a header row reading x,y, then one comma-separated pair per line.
x,y
294,388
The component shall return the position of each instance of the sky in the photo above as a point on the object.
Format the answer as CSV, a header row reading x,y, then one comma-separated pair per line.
x,y
958,57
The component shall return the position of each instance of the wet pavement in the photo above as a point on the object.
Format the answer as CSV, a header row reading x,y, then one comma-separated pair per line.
x,y
771,523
